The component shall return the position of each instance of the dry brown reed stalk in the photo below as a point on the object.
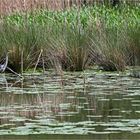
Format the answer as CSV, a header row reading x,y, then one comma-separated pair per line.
x,y
39,57
9,6
110,48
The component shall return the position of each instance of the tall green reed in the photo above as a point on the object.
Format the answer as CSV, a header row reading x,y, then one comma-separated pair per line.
x,y
72,39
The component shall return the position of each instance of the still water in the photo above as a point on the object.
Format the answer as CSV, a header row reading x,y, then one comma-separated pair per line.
x,y
81,105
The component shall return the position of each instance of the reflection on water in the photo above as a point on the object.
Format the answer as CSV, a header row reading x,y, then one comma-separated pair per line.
x,y
84,104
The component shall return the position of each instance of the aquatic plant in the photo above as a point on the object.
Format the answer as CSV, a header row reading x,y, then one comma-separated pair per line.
x,y
71,50
111,48
72,39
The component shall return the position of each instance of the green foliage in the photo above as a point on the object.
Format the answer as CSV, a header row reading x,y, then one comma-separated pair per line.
x,y
113,17
73,38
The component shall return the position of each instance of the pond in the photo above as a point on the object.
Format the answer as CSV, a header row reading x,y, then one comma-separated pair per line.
x,y
78,105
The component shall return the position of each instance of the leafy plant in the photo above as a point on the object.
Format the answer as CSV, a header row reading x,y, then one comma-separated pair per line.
x,y
72,39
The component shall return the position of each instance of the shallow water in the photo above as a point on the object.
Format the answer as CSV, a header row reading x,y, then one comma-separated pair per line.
x,y
81,105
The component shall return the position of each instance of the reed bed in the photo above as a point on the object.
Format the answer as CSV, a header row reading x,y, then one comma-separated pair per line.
x,y
10,6
72,39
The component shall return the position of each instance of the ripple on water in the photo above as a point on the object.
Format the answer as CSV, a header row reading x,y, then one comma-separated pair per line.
x,y
90,103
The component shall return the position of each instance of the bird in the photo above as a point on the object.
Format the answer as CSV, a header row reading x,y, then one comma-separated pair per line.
x,y
3,65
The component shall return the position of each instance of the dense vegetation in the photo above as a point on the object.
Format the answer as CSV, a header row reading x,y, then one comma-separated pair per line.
x,y
73,39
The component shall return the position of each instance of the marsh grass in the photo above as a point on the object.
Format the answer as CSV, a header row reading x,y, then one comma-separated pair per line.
x,y
110,48
134,46
72,49
23,45
72,39
10,6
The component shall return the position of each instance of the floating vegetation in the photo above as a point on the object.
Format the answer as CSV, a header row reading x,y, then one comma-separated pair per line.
x,y
58,111
65,57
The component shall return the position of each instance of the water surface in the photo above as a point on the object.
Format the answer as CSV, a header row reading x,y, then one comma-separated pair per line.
x,y
81,105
